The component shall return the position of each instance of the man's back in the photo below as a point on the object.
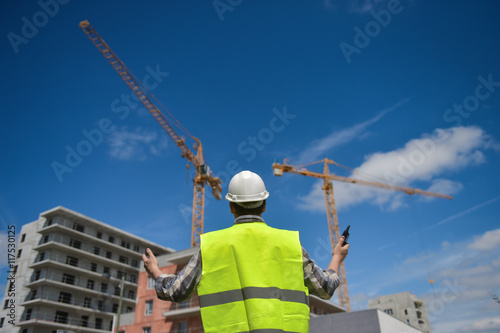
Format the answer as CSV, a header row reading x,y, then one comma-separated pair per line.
x,y
252,279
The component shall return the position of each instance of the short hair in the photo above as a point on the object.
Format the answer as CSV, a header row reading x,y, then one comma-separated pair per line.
x,y
239,210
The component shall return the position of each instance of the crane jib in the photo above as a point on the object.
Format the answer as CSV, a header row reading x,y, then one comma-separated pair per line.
x,y
143,94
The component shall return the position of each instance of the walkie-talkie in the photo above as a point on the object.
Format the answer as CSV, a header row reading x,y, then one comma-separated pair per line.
x,y
346,235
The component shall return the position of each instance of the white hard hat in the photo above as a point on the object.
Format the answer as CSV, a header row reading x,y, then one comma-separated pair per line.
x,y
247,189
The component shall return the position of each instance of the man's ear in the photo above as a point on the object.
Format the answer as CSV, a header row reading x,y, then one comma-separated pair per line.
x,y
231,207
264,208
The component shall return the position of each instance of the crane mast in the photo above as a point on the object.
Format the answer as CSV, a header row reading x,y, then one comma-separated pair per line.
x,y
334,232
331,209
202,171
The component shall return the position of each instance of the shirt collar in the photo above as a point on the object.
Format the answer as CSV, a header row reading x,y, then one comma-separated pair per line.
x,y
248,218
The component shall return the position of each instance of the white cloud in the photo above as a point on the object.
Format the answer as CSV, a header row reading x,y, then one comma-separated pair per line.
x,y
465,280
496,262
488,241
445,245
462,292
428,156
314,201
464,272
319,147
484,324
422,159
134,145
444,186
359,301
422,257
463,213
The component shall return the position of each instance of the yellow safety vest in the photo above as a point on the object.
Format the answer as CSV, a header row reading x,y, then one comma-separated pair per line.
x,y
253,280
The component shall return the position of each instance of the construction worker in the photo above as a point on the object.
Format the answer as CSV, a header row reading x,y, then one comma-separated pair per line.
x,y
250,277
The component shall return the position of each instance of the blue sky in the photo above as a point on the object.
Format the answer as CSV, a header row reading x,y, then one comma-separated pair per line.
x,y
405,91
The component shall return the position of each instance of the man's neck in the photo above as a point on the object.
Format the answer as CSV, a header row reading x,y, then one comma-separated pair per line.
x,y
248,218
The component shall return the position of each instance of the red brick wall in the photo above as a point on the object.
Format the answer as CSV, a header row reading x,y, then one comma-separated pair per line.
x,y
156,320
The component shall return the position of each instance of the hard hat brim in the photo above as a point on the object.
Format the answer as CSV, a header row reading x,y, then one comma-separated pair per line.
x,y
247,198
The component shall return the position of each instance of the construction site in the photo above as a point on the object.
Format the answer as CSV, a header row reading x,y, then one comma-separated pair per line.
x,y
71,272
189,311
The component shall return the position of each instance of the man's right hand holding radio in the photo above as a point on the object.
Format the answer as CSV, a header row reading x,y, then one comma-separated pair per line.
x,y
339,254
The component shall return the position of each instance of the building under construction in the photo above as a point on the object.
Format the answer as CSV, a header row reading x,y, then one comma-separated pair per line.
x,y
69,273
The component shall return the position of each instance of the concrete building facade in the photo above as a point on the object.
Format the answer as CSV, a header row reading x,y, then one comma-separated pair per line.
x,y
364,321
68,273
406,307
154,315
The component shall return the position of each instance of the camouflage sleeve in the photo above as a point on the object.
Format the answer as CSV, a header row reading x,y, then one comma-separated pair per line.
x,y
180,287
320,283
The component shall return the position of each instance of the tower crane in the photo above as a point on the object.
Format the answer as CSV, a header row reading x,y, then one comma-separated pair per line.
x,y
203,174
331,210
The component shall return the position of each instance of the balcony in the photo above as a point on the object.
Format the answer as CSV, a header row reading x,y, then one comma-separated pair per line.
x,y
66,226
60,283
72,304
59,261
182,310
63,244
77,291
58,322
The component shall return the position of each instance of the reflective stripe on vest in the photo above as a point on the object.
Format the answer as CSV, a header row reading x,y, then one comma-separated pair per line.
x,y
253,280
253,292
